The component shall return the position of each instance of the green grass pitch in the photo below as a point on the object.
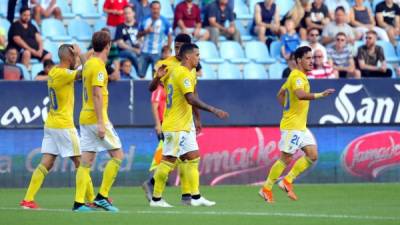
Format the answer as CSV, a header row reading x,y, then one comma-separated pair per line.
x,y
319,204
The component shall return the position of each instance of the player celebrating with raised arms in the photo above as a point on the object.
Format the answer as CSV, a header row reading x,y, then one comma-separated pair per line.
x,y
60,135
178,127
97,132
295,98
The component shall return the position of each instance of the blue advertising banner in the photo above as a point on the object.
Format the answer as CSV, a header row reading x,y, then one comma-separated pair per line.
x,y
249,102
229,155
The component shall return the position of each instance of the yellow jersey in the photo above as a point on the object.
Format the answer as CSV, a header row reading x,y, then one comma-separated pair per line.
x,y
295,111
61,94
94,74
170,63
178,114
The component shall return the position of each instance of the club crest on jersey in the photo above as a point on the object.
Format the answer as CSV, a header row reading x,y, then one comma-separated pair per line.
x,y
187,83
100,76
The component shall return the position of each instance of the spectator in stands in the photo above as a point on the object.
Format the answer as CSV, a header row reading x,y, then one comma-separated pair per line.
x,y
126,38
126,70
318,16
142,9
290,40
388,18
363,20
266,21
154,29
24,36
340,56
291,66
115,13
187,20
2,43
333,4
216,17
45,8
296,14
11,8
9,69
313,38
321,70
371,58
44,74
339,25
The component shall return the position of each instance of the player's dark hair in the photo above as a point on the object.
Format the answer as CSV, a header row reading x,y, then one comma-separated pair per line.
x,y
301,51
23,9
186,49
100,40
63,49
183,38
154,2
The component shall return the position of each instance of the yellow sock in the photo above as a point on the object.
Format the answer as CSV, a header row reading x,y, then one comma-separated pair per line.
x,y
109,175
82,180
161,176
193,175
90,191
183,175
300,166
36,182
276,170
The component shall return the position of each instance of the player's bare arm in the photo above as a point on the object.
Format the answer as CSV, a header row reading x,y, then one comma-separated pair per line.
x,y
281,97
98,108
196,113
162,71
193,100
302,95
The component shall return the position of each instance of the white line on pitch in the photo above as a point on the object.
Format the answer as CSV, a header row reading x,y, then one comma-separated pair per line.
x,y
229,213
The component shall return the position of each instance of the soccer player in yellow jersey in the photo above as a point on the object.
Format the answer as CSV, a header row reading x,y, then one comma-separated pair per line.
x,y
60,135
97,132
295,98
178,128
169,64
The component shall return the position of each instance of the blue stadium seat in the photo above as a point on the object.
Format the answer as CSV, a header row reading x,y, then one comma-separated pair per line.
x,y
100,23
149,73
100,4
80,30
54,30
85,9
52,47
242,10
390,52
209,52
232,51
36,68
254,71
3,8
6,25
227,71
284,6
375,3
65,9
252,4
208,72
258,52
275,50
275,70
244,33
391,67
25,72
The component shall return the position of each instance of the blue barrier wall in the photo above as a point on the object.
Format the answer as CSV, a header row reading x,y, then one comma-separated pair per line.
x,y
370,101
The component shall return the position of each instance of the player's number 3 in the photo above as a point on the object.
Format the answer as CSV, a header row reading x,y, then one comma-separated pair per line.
x,y
170,92
53,99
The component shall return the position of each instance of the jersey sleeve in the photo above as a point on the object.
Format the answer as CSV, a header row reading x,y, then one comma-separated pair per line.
x,y
98,77
69,76
297,83
186,83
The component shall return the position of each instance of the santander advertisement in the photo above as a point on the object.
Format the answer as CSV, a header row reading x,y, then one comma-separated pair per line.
x,y
368,155
238,155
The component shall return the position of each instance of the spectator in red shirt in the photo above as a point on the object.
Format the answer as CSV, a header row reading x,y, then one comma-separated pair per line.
x,y
321,69
115,13
187,20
